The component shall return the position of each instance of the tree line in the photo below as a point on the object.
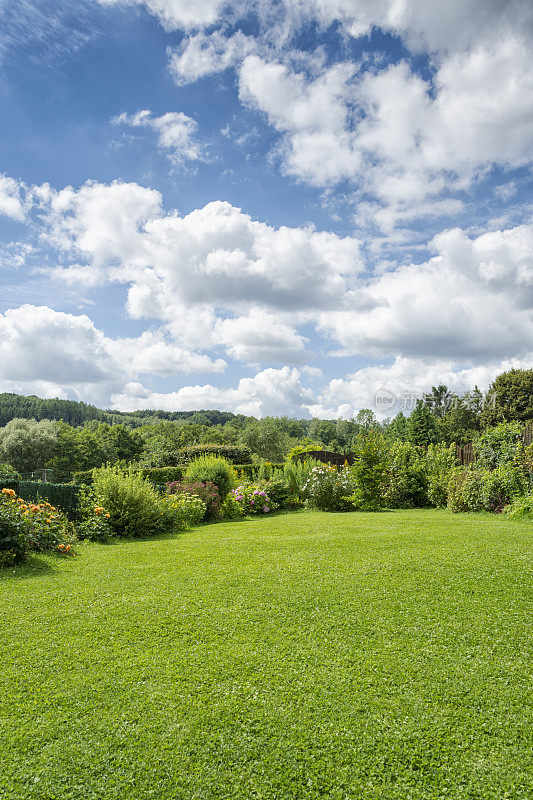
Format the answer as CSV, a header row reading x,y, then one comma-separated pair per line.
x,y
66,436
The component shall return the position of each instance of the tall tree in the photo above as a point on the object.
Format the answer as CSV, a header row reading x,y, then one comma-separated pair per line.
x,y
422,426
510,397
438,400
27,444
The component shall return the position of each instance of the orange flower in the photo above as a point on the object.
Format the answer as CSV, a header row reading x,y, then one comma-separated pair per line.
x,y
9,492
107,516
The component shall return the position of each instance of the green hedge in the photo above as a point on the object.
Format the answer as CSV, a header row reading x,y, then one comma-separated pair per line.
x,y
156,475
162,475
9,483
62,495
237,454
83,477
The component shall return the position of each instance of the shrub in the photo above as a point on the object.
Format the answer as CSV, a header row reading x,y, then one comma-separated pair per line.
x,y
369,471
83,477
215,470
8,472
131,502
207,492
15,531
281,493
296,473
162,475
231,508
9,483
50,529
246,471
26,527
235,454
483,489
94,518
406,479
441,461
521,508
329,489
499,445
253,499
500,486
464,490
184,509
298,450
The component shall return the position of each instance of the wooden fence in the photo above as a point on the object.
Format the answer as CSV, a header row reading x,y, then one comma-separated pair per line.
x,y
465,455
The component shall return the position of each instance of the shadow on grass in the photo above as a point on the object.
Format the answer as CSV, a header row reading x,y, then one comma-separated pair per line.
x,y
33,568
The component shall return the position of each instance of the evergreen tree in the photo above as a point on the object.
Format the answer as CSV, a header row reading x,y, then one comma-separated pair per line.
x,y
422,426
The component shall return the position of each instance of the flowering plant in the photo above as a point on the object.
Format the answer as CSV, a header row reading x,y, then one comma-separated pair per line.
x,y
28,526
206,491
184,508
253,499
327,488
94,523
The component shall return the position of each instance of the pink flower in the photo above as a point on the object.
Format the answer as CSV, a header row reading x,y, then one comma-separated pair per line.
x,y
265,509
256,491
263,494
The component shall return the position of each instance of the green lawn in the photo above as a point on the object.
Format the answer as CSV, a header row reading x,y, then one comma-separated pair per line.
x,y
302,656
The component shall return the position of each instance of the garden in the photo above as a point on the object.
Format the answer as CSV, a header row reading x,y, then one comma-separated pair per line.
x,y
226,626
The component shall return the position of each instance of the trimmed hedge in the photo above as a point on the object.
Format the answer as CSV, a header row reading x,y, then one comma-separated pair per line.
x,y
162,475
61,495
236,454
9,483
156,475
83,477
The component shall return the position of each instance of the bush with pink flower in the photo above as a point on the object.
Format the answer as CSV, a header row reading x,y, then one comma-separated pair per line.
x,y
206,491
253,499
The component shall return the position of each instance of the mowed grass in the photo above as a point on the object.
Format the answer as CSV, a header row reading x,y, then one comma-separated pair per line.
x,y
301,656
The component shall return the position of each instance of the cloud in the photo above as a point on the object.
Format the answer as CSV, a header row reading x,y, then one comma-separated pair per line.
x,y
175,131
204,54
178,14
471,302
407,142
435,26
11,202
422,24
313,115
68,356
102,221
216,255
217,278
260,337
404,141
217,284
404,381
270,392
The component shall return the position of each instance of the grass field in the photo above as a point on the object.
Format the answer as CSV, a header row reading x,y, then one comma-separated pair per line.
x,y
303,656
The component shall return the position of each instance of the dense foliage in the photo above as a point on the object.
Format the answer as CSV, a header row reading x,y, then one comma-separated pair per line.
x,y
133,505
212,469
129,460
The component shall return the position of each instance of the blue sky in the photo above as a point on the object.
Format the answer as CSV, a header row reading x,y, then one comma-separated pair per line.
x,y
275,207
